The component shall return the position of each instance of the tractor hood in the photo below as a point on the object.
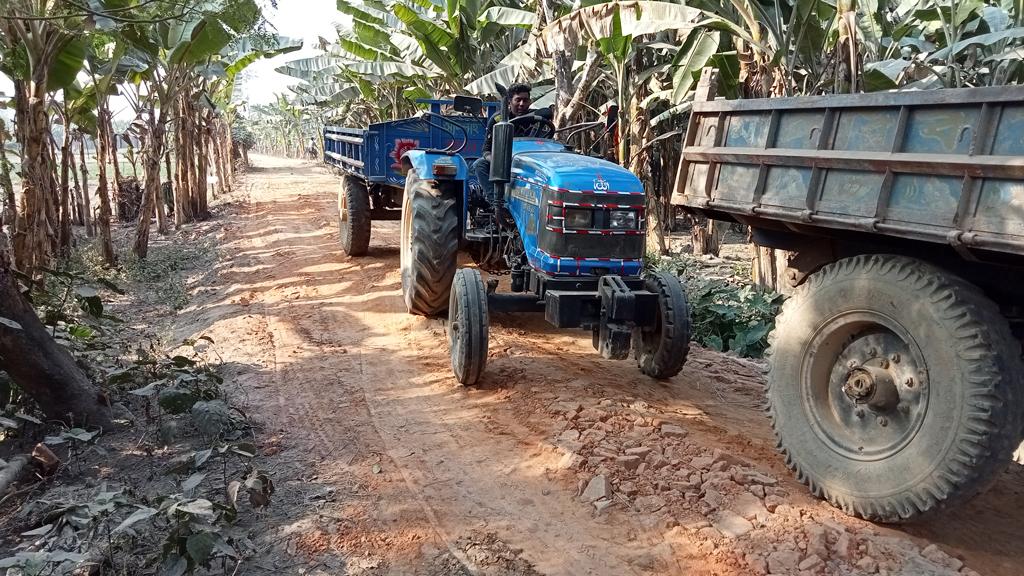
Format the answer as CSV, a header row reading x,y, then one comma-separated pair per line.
x,y
577,215
557,167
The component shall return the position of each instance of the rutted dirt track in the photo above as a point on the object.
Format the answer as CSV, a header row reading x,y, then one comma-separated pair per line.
x,y
384,465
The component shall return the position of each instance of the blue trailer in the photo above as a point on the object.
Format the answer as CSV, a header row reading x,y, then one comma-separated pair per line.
x,y
370,160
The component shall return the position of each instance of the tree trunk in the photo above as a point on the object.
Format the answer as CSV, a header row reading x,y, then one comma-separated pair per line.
x,y
563,62
202,170
151,157
86,195
9,213
66,161
35,234
158,201
76,189
706,236
769,268
38,365
115,162
103,191
183,194
226,159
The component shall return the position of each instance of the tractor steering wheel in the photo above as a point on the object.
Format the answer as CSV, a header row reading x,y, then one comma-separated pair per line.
x,y
536,118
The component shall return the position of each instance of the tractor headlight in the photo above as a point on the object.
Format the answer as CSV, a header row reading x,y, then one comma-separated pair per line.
x,y
622,219
578,218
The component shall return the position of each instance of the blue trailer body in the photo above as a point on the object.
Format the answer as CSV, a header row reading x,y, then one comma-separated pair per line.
x,y
374,154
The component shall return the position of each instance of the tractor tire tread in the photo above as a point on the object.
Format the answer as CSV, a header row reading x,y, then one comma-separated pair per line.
x,y
469,296
355,238
669,356
433,247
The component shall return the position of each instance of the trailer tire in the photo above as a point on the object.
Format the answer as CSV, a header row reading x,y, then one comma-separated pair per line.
x,y
661,351
429,245
354,216
468,326
893,387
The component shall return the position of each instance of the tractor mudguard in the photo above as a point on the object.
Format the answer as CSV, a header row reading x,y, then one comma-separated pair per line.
x,y
423,162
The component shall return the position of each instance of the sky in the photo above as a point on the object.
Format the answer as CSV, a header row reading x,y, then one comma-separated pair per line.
x,y
303,19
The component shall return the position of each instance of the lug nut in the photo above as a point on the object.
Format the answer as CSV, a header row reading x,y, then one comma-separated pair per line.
x,y
883,421
851,364
910,382
873,352
895,358
885,364
859,412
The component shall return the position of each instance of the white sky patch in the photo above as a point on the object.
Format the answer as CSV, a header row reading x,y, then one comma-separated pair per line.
x,y
259,84
304,19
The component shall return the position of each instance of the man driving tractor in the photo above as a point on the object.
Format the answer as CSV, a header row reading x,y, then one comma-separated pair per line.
x,y
518,97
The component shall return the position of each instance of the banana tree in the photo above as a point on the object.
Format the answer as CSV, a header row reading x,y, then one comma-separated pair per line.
x,y
168,54
615,28
42,57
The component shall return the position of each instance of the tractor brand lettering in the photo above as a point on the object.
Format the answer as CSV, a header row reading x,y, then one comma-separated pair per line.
x,y
524,194
600,184
402,145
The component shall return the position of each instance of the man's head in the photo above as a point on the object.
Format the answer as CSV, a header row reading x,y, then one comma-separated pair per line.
x,y
519,99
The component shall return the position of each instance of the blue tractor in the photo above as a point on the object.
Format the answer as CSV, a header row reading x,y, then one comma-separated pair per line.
x,y
569,231
370,160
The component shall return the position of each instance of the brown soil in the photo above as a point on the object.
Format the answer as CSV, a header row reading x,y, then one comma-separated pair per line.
x,y
385,465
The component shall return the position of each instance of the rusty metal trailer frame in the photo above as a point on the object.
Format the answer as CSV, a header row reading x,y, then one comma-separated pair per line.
x,y
941,166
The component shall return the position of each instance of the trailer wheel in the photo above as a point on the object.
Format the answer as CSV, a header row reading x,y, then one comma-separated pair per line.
x,y
893,387
467,326
661,350
354,216
430,244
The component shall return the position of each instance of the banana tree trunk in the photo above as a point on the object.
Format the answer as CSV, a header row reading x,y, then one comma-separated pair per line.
x,y
77,209
162,227
9,215
65,192
115,161
35,233
151,156
86,195
103,190
202,170
183,194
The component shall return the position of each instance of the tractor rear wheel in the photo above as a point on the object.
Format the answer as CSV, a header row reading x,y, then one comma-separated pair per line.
x,y
661,350
467,326
430,245
354,216
893,387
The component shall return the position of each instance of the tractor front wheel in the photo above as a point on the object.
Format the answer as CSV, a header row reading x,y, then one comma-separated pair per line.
x,y
661,350
354,216
430,244
467,326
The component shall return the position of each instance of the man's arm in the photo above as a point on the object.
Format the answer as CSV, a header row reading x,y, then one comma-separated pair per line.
x,y
488,135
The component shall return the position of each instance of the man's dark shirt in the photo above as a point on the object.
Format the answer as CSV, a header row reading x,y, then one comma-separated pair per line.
x,y
521,129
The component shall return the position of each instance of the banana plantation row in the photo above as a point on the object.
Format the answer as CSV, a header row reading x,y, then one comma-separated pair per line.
x,y
173,64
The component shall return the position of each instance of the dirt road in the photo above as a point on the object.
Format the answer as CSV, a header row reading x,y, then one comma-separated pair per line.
x,y
559,463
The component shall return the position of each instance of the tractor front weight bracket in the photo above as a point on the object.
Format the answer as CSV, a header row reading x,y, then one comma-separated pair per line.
x,y
622,309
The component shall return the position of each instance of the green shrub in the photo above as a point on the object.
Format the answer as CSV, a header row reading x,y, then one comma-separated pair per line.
x,y
729,313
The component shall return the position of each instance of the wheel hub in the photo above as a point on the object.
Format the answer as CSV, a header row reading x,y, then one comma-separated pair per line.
x,y
874,386
866,385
